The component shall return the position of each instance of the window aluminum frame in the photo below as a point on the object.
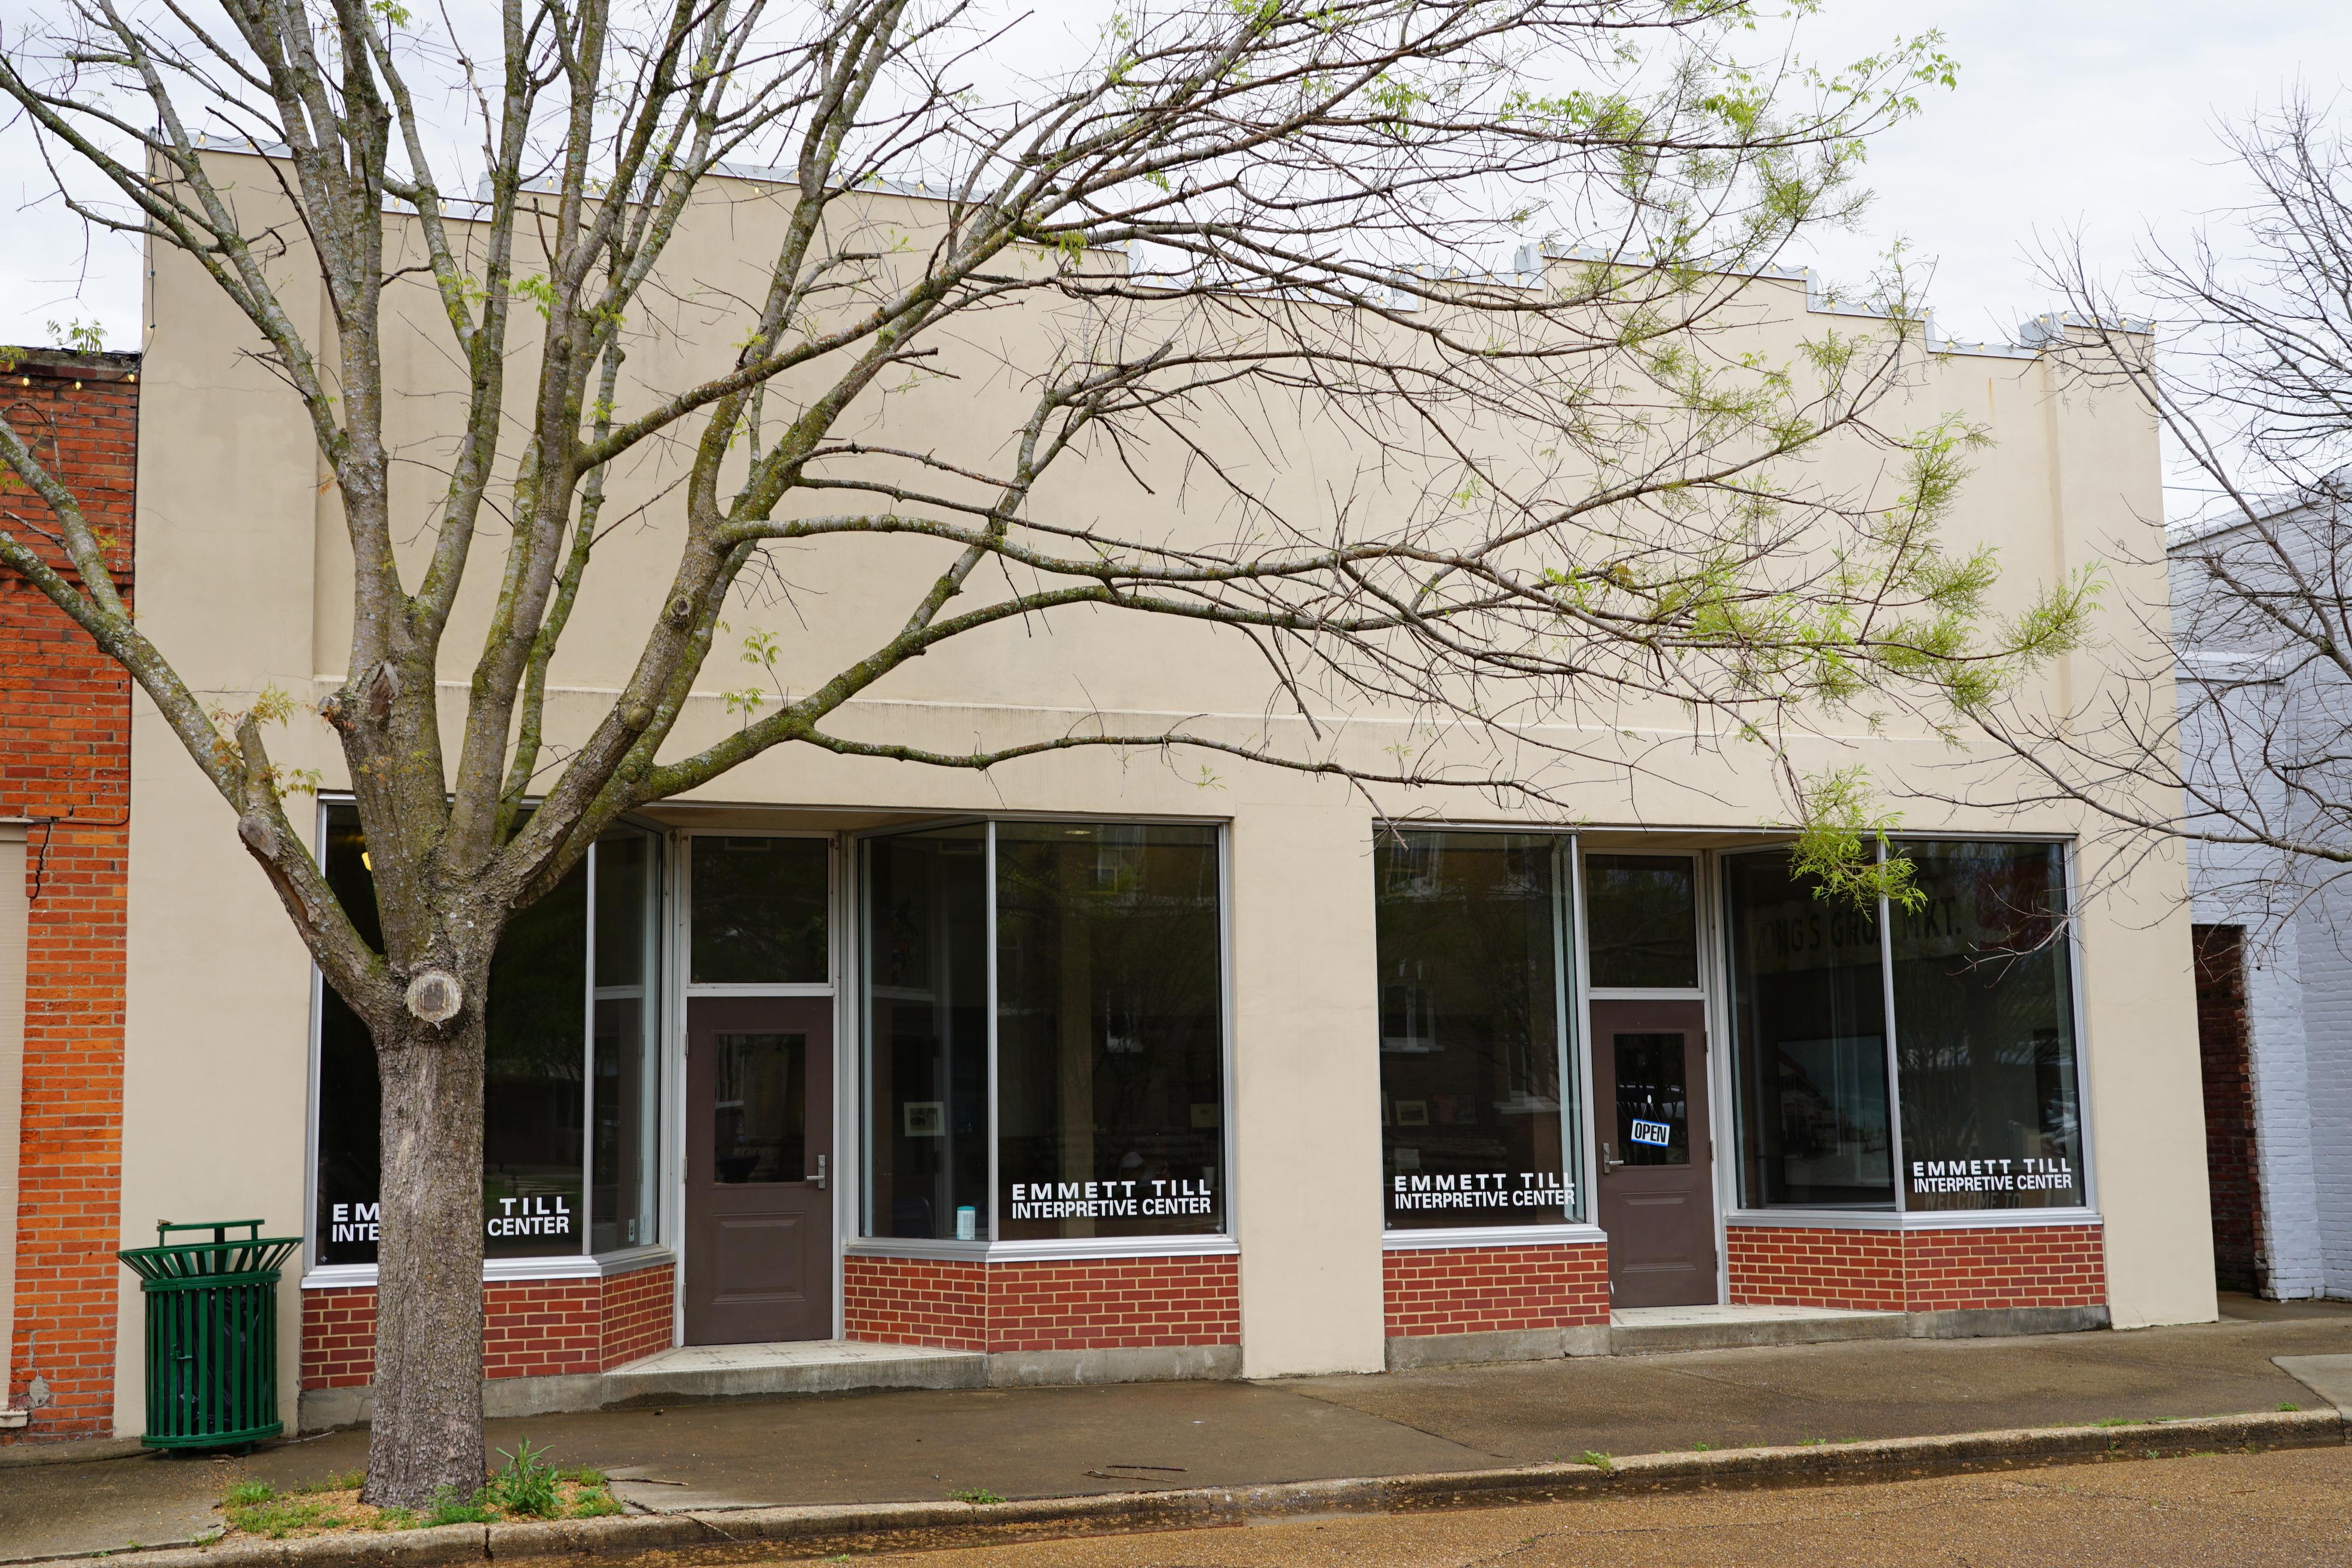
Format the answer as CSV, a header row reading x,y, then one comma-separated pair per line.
x,y
1571,994
1901,1216
855,1239
584,1264
1696,990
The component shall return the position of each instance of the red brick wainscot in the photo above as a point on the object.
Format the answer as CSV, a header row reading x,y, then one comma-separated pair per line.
x,y
1109,1303
64,770
530,1328
1479,1289
1919,1271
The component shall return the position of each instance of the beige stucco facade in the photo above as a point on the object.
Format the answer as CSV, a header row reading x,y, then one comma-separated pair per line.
x,y
244,582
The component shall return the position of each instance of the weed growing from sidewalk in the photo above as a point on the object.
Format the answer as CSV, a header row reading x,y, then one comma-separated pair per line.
x,y
2289,1404
1596,1458
975,1496
525,1488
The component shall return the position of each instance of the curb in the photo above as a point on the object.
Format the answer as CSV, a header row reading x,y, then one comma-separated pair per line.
x,y
824,1529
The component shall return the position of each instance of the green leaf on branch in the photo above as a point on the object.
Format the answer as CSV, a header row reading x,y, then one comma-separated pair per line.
x,y
1843,846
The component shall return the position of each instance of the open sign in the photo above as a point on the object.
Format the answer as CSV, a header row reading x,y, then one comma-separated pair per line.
x,y
1652,1132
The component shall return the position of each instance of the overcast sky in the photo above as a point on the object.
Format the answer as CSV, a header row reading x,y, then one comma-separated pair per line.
x,y
2090,114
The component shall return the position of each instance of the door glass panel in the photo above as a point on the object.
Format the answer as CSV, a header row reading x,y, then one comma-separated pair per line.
x,y
1653,1108
1641,922
759,912
759,1109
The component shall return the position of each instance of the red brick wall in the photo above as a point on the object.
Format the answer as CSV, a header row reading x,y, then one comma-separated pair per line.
x,y
2231,1173
1781,1266
65,754
530,1328
915,1301
637,1314
2031,1265
1475,1290
1076,1304
1919,1271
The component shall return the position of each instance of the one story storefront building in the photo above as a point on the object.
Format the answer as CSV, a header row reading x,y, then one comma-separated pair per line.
x,y
1085,1070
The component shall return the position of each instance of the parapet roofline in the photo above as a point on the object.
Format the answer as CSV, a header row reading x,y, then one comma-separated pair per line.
x,y
2035,337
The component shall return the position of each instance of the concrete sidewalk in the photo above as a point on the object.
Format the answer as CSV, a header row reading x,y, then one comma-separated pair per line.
x,y
918,1446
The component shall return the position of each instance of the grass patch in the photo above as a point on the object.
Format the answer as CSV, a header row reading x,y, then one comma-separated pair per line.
x,y
263,1512
1596,1458
448,1508
526,1487
1701,1448
2289,1404
976,1496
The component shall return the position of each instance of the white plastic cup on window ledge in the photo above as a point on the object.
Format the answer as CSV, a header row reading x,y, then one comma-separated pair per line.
x,y
967,1224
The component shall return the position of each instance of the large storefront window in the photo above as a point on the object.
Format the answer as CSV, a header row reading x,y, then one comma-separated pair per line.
x,y
1978,985
1984,1030
1110,1070
1475,1130
1105,993
1809,1013
541,1071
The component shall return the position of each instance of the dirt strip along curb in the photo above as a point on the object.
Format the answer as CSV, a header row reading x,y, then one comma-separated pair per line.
x,y
809,1530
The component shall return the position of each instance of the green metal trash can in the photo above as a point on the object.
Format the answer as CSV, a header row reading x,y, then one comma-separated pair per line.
x,y
211,1334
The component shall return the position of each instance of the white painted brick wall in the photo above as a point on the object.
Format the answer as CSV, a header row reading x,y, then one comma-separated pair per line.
x,y
2326,974
2299,1019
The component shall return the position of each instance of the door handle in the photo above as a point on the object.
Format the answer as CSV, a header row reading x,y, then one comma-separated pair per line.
x,y
820,1172
1609,1161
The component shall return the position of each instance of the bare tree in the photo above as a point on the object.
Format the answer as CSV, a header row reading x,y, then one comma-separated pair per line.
x,y
2234,733
1571,494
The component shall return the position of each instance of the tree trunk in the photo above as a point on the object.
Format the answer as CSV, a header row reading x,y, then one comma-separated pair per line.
x,y
427,1426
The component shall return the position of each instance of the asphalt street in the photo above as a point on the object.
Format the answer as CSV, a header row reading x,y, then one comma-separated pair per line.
x,y
2244,1511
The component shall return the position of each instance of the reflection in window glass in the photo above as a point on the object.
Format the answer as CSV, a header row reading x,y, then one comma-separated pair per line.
x,y
1809,1054
534,1076
625,1099
926,1035
1110,1032
759,912
535,1057
1471,1130
1984,1030
1640,922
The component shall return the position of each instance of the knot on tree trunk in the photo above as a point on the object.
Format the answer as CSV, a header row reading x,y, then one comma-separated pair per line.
x,y
260,833
435,995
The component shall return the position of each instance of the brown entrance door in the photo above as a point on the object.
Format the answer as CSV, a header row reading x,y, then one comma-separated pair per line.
x,y
759,1155
1657,1165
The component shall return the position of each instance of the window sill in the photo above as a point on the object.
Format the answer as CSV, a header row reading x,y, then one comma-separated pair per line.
x,y
1941,1219
355,1276
1045,1251
1462,1237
